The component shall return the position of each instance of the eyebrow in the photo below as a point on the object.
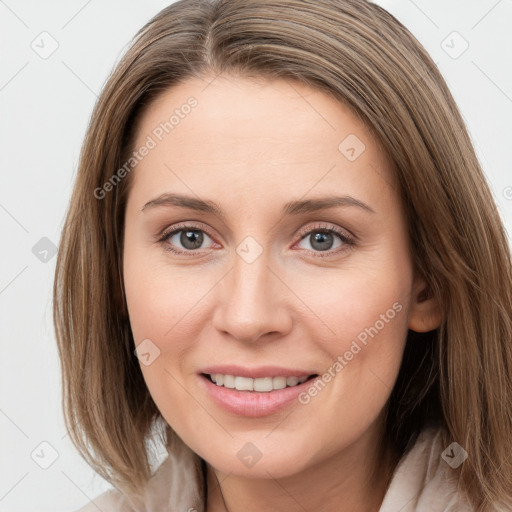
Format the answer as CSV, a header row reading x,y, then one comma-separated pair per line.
x,y
290,208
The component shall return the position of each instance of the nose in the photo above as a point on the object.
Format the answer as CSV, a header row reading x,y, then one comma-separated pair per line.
x,y
252,302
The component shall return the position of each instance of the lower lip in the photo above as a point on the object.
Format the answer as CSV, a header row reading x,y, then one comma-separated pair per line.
x,y
253,403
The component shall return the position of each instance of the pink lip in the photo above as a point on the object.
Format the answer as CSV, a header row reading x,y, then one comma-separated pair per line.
x,y
255,373
252,403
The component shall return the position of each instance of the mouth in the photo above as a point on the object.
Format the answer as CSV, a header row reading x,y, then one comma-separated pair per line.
x,y
254,397
257,385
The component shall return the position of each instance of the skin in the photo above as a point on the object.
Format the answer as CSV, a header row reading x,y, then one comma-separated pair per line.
x,y
251,146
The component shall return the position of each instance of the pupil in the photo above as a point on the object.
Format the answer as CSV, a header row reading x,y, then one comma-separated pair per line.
x,y
319,241
191,239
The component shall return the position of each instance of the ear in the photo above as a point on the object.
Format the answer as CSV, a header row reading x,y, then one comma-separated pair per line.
x,y
425,311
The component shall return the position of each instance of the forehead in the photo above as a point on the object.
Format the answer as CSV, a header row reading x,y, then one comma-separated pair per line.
x,y
228,131
265,110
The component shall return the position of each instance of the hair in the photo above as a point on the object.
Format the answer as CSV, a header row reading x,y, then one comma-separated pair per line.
x,y
458,376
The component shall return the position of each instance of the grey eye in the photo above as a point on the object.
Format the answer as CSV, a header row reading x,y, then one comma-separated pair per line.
x,y
190,239
321,240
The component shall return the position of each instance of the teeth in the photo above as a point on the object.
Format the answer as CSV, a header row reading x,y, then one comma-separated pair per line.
x,y
292,381
264,384
229,381
244,384
279,382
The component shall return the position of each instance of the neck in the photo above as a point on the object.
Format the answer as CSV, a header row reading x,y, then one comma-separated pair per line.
x,y
355,479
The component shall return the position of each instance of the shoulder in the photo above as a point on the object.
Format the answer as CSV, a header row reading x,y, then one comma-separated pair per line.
x,y
176,485
427,477
109,501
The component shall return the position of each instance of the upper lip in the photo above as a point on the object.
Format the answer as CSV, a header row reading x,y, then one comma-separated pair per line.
x,y
257,372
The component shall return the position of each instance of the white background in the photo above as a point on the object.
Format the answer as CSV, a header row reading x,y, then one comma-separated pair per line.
x,y
45,107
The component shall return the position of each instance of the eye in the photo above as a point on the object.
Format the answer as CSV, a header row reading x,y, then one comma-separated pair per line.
x,y
188,239
183,239
322,238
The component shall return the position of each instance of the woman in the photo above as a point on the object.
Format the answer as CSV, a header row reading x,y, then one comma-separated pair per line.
x,y
282,255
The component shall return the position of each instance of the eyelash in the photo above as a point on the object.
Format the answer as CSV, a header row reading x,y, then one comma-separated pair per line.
x,y
321,228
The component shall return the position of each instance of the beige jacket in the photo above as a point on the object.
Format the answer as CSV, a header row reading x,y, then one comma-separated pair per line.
x,y
422,482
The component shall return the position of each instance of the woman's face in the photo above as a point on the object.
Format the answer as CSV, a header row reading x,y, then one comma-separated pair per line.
x,y
292,259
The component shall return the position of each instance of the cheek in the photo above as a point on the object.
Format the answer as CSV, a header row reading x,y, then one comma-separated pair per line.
x,y
366,311
170,308
364,303
160,302
162,319
362,359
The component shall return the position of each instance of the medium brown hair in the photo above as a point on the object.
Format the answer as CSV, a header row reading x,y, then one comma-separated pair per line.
x,y
458,376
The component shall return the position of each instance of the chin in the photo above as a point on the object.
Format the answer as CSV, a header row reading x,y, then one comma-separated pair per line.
x,y
258,459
